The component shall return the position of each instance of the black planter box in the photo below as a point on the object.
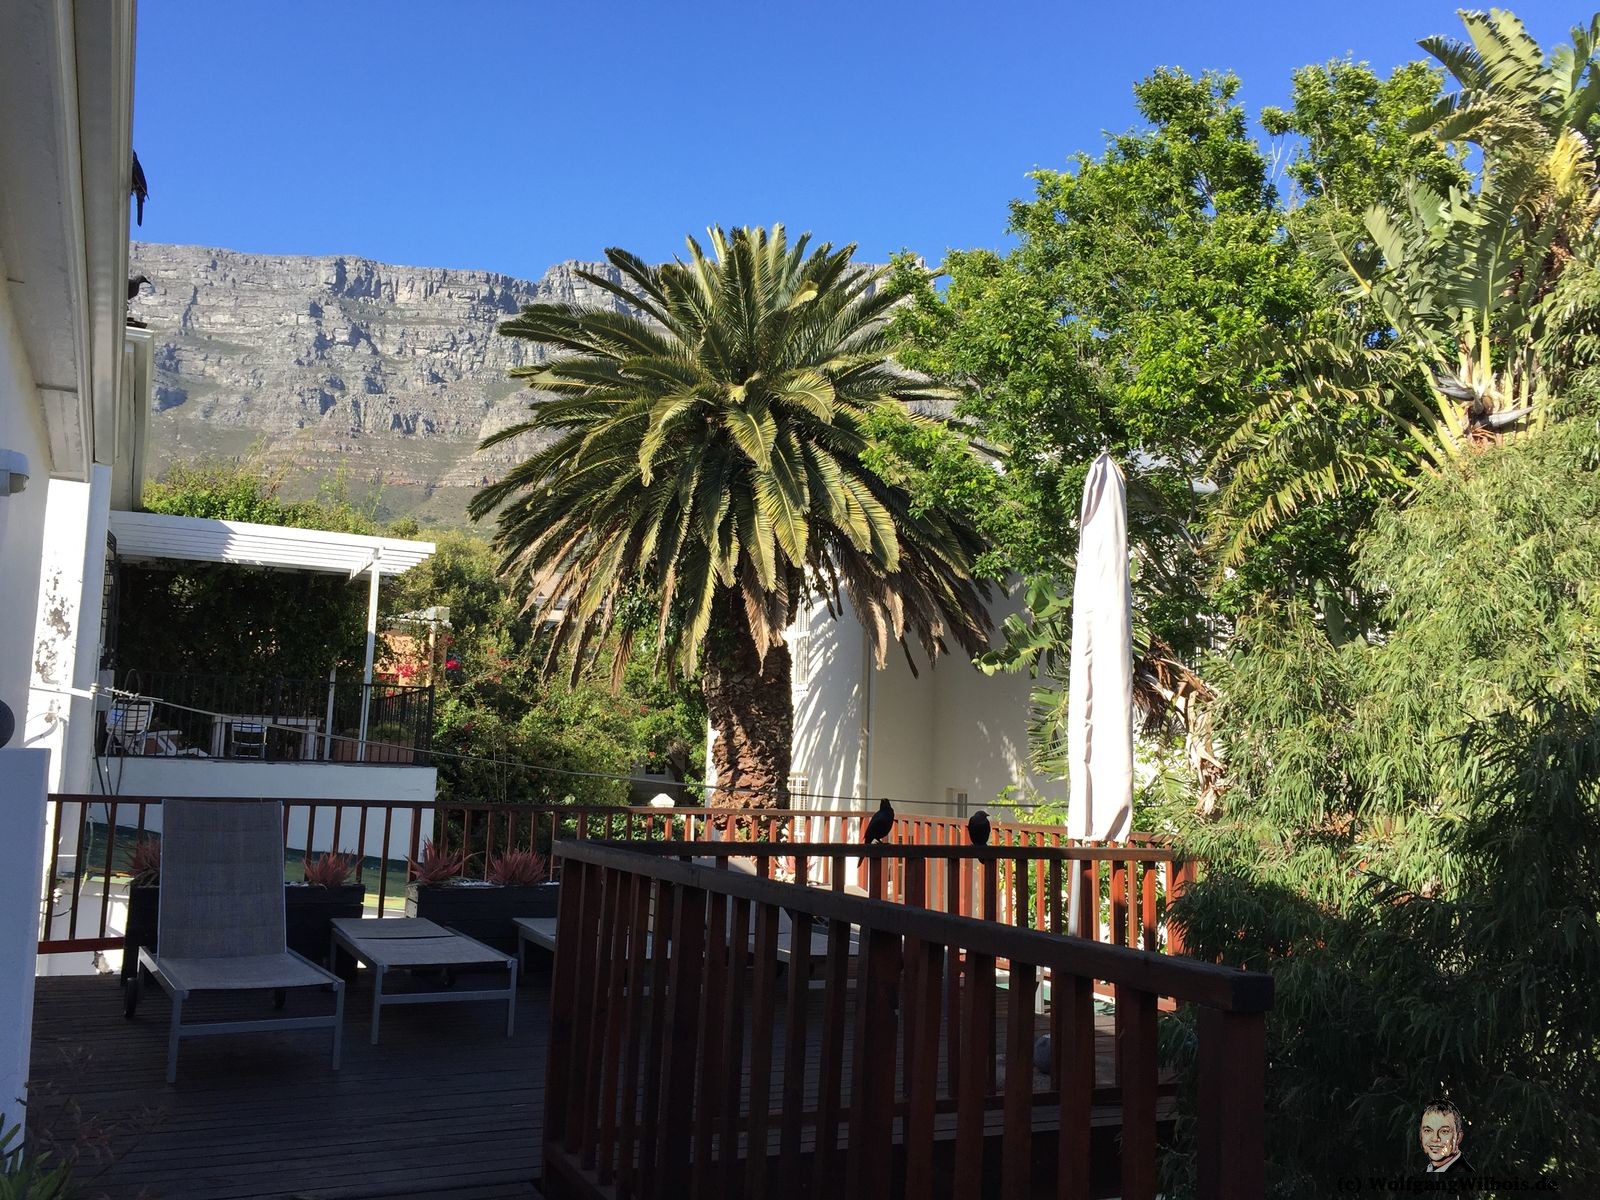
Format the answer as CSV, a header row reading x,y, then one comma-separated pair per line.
x,y
307,911
144,910
483,913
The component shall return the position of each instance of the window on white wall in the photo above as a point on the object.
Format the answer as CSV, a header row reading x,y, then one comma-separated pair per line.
x,y
800,653
957,800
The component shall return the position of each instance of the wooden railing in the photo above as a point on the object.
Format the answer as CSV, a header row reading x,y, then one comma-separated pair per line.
x,y
1123,890
682,1064
93,837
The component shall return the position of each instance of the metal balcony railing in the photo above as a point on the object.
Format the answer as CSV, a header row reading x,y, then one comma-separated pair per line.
x,y
266,718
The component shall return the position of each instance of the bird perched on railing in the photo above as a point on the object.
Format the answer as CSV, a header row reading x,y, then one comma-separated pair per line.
x,y
138,189
137,282
881,824
978,828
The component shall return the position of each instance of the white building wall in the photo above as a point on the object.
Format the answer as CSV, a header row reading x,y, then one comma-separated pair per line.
x,y
904,711
66,641
163,777
948,729
980,729
830,689
21,517
22,804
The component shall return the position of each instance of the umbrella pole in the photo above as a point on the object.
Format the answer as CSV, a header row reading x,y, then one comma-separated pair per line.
x,y
1074,896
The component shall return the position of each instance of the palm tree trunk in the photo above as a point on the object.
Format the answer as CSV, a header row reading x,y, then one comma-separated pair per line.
x,y
751,710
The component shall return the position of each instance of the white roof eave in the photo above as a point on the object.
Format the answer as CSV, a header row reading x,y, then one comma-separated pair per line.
x,y
148,536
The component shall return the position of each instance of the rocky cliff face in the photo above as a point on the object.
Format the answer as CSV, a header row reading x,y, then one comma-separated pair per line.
x,y
391,374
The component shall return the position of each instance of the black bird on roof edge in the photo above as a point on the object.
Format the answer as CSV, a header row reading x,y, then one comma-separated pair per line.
x,y
139,188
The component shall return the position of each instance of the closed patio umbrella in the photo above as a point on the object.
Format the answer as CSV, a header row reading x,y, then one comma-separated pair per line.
x,y
1100,681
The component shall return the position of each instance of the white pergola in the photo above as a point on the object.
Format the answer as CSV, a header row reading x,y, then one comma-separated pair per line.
x,y
146,537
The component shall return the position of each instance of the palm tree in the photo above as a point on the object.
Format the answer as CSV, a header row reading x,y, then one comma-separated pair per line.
x,y
709,474
1480,327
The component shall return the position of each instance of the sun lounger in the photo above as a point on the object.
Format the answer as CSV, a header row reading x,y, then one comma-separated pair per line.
x,y
221,920
412,943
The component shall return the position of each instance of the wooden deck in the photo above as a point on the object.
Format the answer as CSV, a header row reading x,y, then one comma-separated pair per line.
x,y
445,1107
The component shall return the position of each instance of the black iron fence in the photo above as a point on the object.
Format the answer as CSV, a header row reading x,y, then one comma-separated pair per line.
x,y
267,718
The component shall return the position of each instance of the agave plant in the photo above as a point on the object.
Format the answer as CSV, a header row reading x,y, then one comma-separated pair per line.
x,y
329,870
144,863
705,475
436,865
518,868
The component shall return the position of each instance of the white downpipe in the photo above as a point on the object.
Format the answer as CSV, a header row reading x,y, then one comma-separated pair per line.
x,y
327,724
366,671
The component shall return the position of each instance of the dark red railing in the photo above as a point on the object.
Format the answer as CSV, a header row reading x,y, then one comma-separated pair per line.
x,y
692,1055
93,836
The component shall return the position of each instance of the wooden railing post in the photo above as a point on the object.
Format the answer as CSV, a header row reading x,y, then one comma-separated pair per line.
x,y
872,1080
1137,1077
675,1131
1230,1134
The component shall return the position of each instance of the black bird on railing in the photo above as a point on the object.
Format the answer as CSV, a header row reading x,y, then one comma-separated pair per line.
x,y
139,189
882,822
978,828
137,282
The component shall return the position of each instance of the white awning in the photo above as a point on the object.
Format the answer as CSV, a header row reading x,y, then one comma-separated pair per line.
x,y
146,536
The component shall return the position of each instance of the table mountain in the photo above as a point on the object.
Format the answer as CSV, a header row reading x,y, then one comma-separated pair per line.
x,y
313,366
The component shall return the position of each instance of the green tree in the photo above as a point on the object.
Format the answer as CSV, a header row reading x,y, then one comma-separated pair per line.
x,y
501,733
228,619
707,477
1470,344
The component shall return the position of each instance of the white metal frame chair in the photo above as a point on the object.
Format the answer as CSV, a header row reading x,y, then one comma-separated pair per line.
x,y
127,724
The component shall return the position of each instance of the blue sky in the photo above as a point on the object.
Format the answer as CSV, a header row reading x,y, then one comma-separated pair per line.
x,y
508,136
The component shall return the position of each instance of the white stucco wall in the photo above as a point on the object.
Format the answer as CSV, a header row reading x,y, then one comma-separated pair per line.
x,y
949,728
289,781
66,639
905,732
22,804
348,782
21,517
830,691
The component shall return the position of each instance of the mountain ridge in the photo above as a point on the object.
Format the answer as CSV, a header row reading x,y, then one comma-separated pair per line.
x,y
384,374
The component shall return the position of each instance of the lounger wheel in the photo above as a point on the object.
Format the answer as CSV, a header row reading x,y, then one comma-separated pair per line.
x,y
130,994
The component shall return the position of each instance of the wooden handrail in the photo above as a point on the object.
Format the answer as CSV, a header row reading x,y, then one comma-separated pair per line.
x,y
1183,979
681,1063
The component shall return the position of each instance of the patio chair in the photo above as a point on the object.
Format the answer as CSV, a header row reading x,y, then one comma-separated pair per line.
x,y
127,724
247,739
221,920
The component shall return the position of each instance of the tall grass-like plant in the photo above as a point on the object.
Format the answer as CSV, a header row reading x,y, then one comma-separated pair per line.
x,y
1484,996
27,1176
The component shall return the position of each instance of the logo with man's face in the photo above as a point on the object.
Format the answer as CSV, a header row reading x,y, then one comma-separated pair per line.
x,y
1440,1134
